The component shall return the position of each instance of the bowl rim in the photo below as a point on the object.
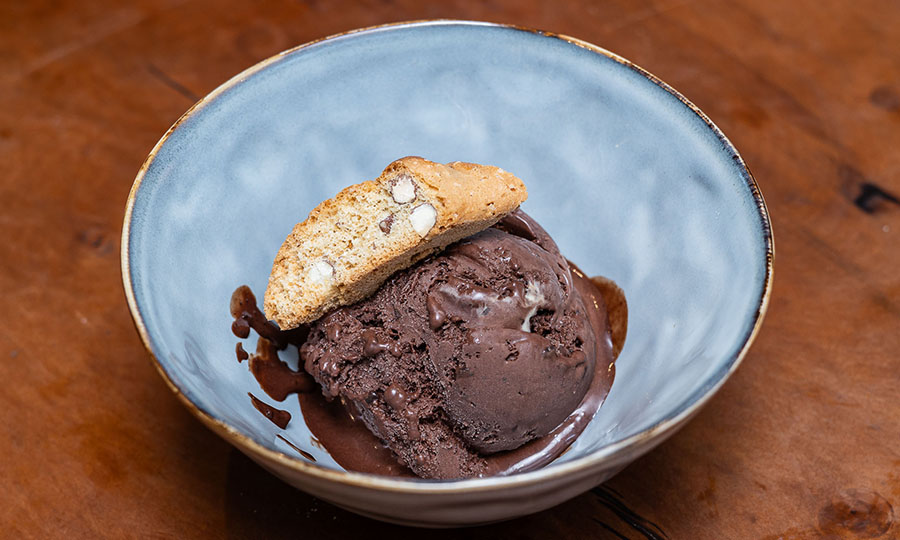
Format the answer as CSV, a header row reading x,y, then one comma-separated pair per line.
x,y
658,431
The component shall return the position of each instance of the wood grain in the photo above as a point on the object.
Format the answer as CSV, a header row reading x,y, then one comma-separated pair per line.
x,y
803,442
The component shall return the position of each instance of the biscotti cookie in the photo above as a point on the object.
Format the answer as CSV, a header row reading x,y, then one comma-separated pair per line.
x,y
349,245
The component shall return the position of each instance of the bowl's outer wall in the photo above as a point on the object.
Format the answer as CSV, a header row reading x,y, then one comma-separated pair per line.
x,y
630,181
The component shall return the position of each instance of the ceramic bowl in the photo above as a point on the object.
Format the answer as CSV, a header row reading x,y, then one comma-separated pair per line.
x,y
630,178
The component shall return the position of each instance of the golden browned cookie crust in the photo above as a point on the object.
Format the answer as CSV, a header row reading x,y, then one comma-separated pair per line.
x,y
350,244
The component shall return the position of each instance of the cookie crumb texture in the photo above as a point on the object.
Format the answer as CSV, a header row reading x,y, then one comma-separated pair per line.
x,y
349,245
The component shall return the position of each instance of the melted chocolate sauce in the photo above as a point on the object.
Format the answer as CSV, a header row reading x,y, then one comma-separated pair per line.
x,y
247,315
376,343
348,441
299,450
240,352
517,225
275,377
352,445
277,416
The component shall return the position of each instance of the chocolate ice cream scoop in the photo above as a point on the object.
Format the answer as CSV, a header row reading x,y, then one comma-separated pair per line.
x,y
477,350
518,352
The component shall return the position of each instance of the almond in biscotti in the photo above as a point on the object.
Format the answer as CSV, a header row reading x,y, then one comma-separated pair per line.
x,y
350,244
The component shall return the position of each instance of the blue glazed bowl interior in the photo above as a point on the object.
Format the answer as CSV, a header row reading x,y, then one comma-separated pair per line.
x,y
630,181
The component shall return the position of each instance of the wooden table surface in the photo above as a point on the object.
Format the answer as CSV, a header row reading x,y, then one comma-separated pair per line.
x,y
803,442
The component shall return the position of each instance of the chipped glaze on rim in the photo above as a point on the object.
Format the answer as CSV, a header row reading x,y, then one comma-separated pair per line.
x,y
660,430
